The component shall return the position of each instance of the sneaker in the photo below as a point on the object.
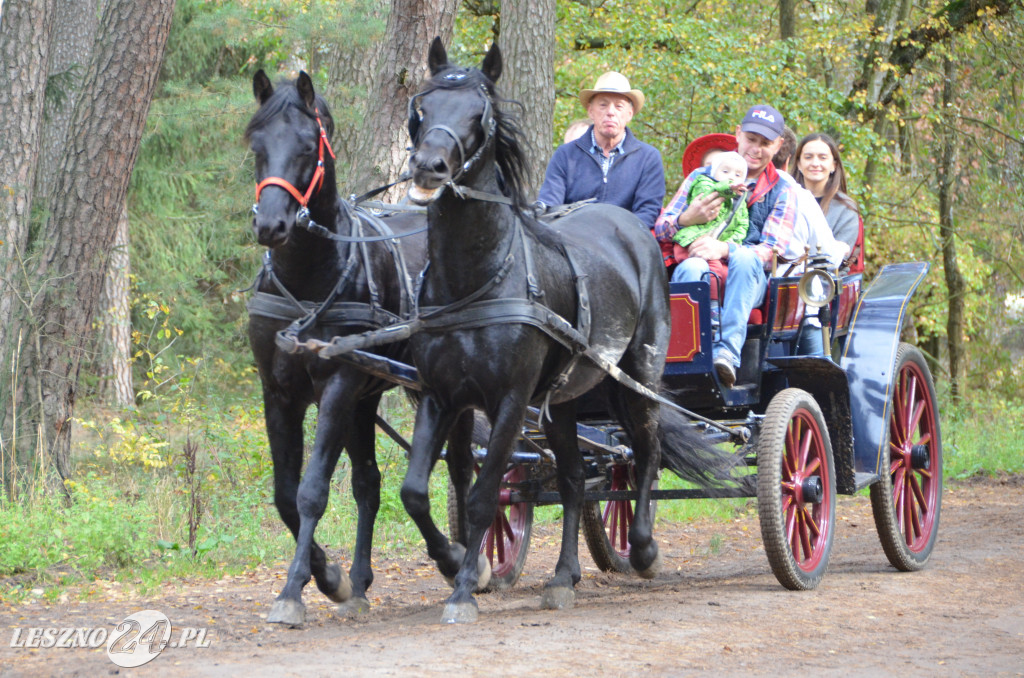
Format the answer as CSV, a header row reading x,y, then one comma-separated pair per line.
x,y
725,370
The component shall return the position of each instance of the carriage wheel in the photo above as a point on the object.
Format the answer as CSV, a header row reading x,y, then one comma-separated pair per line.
x,y
606,523
906,500
796,490
507,540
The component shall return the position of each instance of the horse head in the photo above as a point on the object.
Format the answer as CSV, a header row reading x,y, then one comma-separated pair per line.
x,y
451,122
290,139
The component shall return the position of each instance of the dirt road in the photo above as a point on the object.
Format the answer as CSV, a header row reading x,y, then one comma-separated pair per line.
x,y
715,608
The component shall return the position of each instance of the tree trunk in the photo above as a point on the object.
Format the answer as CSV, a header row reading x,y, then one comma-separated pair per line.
x,y
527,42
24,55
787,19
352,66
115,341
74,33
380,153
951,266
87,200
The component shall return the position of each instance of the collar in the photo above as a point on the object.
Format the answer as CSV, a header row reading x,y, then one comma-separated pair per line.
x,y
765,183
596,148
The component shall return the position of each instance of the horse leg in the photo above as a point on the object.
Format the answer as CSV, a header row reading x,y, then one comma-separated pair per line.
x,y
311,501
559,592
366,491
460,469
640,418
432,425
482,504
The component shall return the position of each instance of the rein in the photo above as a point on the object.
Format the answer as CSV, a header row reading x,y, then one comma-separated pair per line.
x,y
306,314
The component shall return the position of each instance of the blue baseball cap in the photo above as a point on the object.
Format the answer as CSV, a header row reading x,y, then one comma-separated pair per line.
x,y
764,120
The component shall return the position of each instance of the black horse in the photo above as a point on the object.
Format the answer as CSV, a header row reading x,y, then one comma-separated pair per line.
x,y
335,287
487,339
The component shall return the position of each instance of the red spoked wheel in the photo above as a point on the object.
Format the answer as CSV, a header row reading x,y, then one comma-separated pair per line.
x,y
507,541
606,524
906,501
796,490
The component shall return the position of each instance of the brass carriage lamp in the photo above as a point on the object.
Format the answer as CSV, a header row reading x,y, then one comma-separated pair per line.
x,y
817,288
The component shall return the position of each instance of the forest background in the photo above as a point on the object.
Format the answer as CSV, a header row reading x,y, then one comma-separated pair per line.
x,y
924,97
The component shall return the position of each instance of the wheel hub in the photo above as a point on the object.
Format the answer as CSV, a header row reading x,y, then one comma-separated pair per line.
x,y
812,490
920,458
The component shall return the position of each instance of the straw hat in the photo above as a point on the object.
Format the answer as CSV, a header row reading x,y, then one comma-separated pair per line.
x,y
693,156
613,83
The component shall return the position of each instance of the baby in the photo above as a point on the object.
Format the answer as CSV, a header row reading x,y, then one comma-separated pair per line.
x,y
726,175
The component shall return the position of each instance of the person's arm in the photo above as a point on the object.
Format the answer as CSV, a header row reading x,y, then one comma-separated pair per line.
x,y
680,213
665,226
552,191
650,190
844,224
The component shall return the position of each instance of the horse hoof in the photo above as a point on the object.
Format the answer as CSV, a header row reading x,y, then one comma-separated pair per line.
x,y
652,570
483,568
460,613
338,585
558,598
354,607
288,612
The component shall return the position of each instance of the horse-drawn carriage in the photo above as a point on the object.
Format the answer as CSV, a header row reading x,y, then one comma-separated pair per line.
x,y
817,425
574,318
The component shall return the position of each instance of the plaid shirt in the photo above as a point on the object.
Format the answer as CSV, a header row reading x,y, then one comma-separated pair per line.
x,y
606,160
777,229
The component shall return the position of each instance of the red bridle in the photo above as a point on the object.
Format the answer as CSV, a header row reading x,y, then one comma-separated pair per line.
x,y
318,176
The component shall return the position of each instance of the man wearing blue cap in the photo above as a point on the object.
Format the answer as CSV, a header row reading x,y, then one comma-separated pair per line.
x,y
772,210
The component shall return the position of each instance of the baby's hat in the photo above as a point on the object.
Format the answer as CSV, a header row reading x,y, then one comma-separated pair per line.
x,y
723,157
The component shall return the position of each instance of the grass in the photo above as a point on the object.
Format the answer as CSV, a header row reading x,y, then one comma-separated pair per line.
x,y
983,437
129,518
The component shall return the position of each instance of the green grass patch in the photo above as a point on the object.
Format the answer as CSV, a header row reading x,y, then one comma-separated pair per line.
x,y
982,436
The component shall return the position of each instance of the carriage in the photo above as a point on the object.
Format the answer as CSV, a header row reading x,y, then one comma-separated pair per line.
x,y
575,318
815,426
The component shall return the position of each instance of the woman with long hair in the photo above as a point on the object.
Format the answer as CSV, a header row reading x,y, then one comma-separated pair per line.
x,y
818,167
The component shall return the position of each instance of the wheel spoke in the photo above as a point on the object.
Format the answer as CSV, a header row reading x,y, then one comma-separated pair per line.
x,y
805,448
812,467
506,538
788,452
812,524
795,537
897,432
919,503
899,497
915,420
791,523
805,537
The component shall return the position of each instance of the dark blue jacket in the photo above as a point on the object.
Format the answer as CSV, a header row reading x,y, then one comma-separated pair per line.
x,y
636,180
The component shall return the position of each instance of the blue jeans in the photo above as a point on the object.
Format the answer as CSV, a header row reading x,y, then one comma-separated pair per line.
x,y
744,289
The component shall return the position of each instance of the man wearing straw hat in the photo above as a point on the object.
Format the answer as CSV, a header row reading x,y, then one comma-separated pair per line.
x,y
607,162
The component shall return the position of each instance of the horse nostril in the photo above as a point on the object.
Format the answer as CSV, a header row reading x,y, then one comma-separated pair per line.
x,y
439,166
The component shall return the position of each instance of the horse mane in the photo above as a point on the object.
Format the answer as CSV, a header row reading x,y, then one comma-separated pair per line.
x,y
509,138
287,94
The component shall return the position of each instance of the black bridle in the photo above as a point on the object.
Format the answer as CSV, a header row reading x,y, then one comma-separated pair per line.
x,y
488,123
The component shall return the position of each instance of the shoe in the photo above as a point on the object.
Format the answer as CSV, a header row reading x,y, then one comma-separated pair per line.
x,y
725,370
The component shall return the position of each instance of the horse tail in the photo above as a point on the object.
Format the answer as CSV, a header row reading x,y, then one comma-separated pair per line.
x,y
692,456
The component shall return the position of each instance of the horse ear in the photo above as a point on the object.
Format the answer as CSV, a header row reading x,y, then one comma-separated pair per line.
x,y
437,57
261,87
305,86
491,66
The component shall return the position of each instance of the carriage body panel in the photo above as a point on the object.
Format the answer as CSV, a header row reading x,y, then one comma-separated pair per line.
x,y
869,356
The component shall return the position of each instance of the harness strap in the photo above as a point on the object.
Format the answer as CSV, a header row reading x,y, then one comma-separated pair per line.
x,y
340,312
